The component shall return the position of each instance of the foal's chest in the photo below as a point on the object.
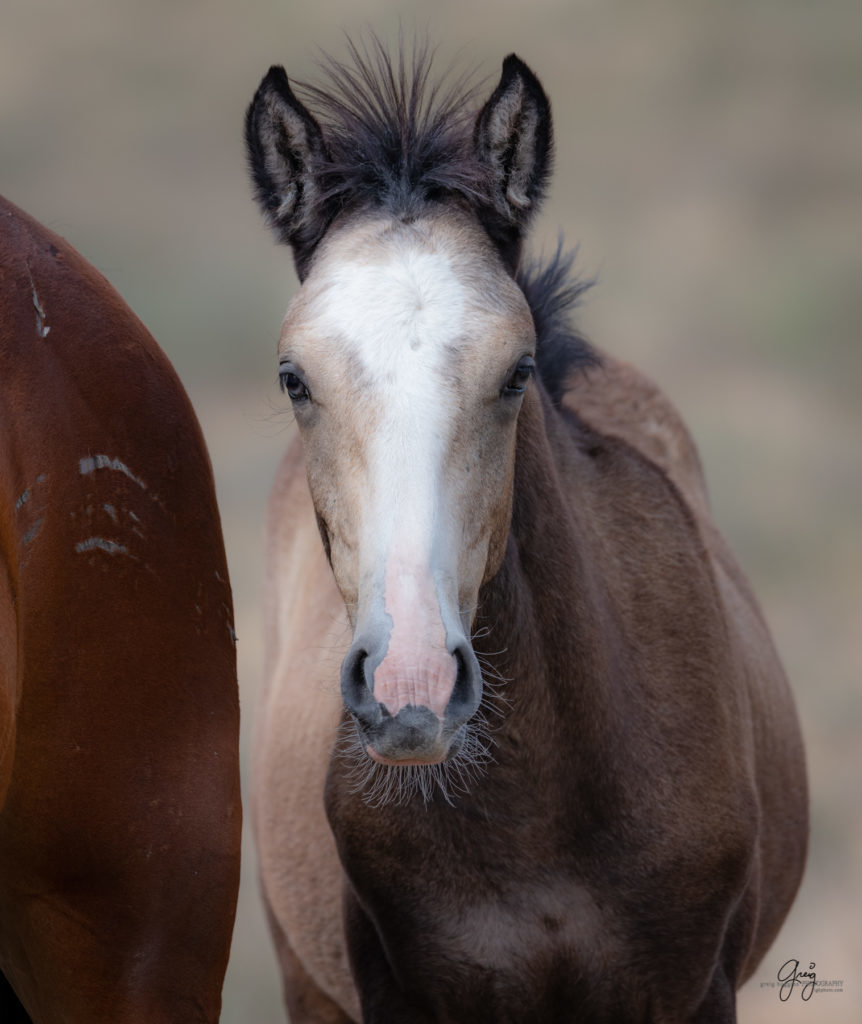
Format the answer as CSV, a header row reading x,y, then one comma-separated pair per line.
x,y
523,954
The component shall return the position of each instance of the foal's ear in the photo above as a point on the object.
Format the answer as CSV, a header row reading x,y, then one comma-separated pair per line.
x,y
513,140
286,153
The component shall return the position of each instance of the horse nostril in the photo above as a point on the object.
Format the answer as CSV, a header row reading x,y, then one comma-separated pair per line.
x,y
467,691
353,676
355,692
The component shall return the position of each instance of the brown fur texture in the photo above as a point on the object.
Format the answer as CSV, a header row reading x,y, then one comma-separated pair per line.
x,y
119,782
645,695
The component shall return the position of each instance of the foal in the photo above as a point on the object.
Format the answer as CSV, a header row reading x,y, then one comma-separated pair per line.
x,y
567,781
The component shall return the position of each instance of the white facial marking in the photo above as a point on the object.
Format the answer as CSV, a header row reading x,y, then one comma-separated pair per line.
x,y
396,319
403,334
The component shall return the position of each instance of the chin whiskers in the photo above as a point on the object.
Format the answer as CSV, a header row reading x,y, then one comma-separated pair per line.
x,y
380,784
496,703
495,700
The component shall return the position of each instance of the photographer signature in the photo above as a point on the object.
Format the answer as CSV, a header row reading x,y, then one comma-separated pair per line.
x,y
789,975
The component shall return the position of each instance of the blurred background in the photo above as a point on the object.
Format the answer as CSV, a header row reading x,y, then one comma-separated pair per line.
x,y
709,163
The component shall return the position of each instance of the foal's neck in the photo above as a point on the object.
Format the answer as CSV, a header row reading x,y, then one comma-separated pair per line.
x,y
540,618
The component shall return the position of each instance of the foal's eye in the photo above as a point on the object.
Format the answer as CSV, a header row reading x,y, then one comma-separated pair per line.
x,y
293,384
520,376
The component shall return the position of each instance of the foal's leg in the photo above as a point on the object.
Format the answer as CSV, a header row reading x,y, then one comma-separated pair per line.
x,y
306,1003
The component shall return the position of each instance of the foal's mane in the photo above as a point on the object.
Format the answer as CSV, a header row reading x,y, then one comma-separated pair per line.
x,y
554,291
398,140
395,138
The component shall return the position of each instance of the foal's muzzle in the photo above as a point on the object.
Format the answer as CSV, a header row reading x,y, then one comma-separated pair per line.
x,y
412,733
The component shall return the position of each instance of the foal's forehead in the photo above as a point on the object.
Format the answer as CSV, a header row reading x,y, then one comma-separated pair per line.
x,y
426,285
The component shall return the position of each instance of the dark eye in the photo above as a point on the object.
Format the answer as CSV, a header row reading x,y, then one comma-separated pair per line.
x,y
520,376
293,384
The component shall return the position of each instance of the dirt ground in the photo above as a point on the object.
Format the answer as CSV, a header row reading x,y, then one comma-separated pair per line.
x,y
709,163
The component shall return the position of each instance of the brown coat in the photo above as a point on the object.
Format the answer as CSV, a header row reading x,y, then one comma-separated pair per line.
x,y
119,784
644,690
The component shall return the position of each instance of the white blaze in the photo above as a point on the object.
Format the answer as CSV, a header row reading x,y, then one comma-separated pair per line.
x,y
399,318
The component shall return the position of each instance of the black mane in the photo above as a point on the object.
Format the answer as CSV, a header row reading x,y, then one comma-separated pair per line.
x,y
553,292
395,139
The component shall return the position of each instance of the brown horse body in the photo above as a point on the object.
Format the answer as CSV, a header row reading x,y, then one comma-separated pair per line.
x,y
635,836
119,785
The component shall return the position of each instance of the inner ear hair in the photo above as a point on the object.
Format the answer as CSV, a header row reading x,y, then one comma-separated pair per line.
x,y
513,139
286,153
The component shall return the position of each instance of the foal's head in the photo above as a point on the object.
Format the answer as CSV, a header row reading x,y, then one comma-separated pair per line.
x,y
406,354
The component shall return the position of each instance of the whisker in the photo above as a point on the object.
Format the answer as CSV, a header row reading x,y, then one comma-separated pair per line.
x,y
492,654
380,785
490,669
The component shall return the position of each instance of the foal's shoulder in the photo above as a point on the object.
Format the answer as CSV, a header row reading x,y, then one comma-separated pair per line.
x,y
614,399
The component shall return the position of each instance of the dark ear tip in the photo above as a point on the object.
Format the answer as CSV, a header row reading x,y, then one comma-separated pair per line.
x,y
275,74
275,80
514,67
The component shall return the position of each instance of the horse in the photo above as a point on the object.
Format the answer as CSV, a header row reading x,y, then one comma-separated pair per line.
x,y
119,767
564,780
